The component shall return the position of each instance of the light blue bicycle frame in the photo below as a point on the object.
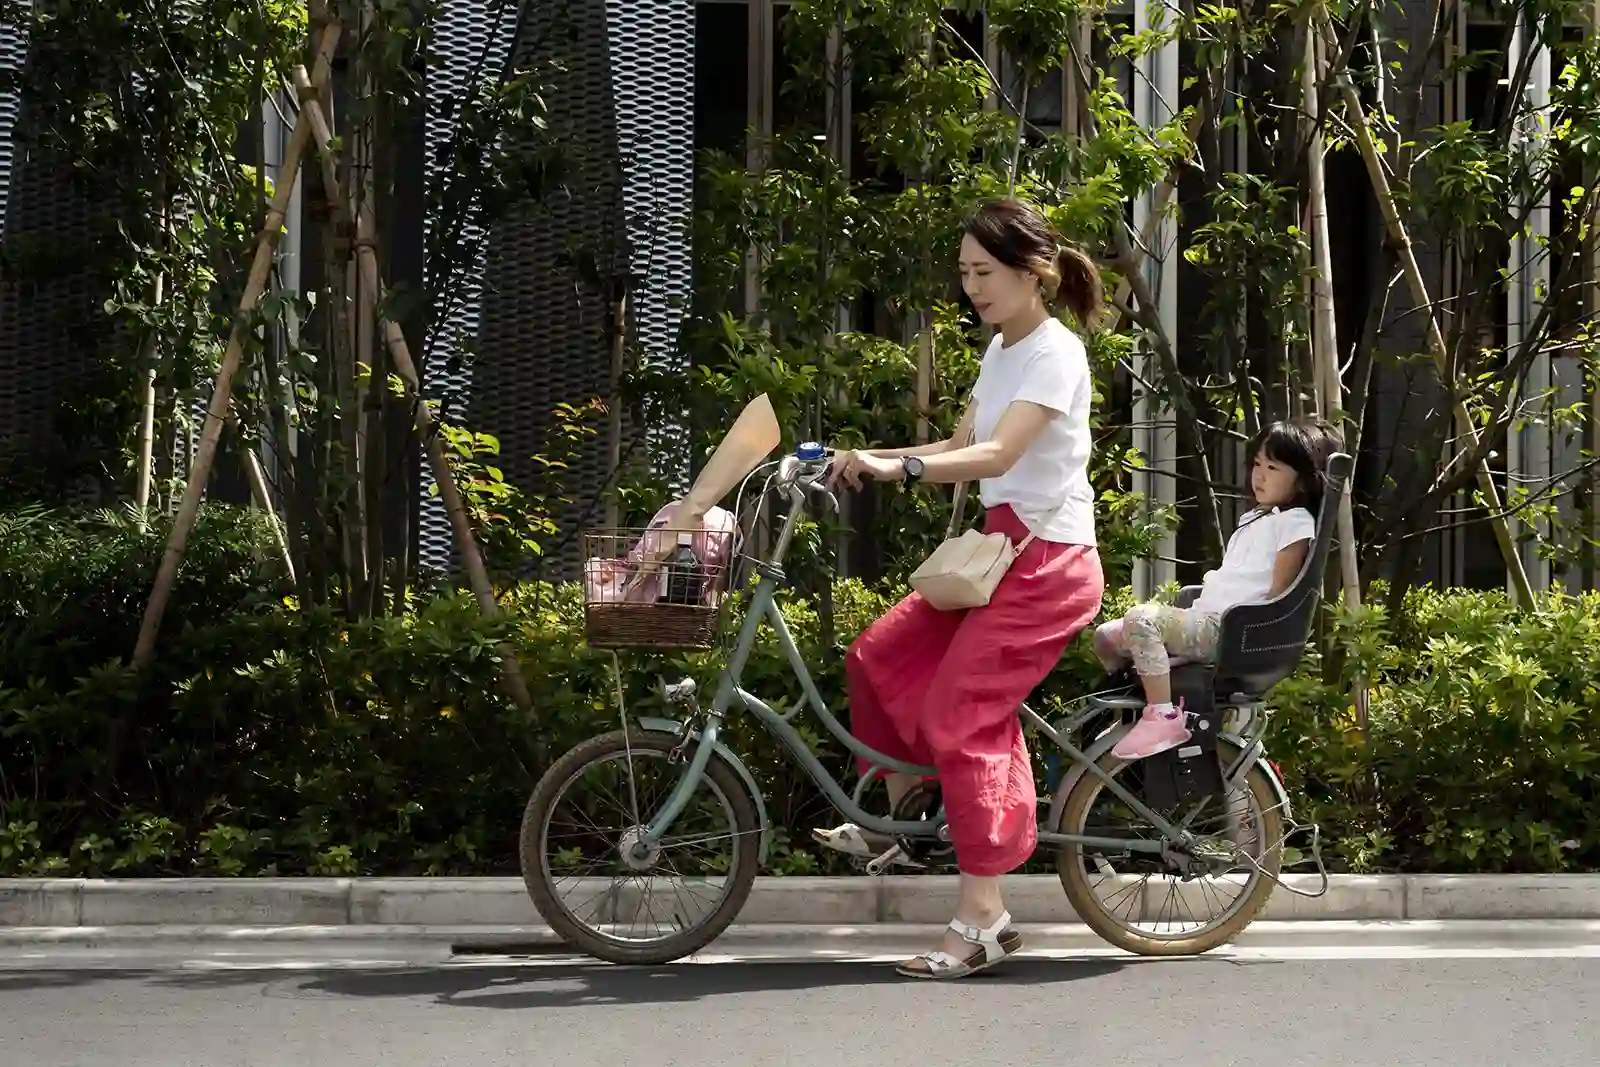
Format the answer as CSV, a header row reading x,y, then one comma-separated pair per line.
x,y
730,694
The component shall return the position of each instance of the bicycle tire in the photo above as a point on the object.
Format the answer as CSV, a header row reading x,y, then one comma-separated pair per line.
x,y
1074,879
741,873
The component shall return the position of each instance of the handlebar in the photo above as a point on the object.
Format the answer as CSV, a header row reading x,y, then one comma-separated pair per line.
x,y
798,477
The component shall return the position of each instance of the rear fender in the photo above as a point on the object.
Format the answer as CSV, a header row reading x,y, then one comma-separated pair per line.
x,y
1255,755
1259,751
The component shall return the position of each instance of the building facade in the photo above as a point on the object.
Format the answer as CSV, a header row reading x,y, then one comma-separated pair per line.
x,y
646,84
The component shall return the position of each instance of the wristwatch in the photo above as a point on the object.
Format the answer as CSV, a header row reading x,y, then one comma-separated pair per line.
x,y
913,466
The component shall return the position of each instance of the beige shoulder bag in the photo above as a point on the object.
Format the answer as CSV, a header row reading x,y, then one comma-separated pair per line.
x,y
964,570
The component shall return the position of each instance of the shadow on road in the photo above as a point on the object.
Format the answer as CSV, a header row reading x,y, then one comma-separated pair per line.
x,y
561,985
590,984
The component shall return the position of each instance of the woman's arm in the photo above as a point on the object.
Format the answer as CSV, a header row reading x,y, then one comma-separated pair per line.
x,y
1021,423
1049,386
962,432
1287,566
1018,427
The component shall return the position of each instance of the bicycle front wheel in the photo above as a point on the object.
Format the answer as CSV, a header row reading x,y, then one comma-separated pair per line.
x,y
624,905
1152,905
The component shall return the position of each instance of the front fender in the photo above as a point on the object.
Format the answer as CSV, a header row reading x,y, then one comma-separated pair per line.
x,y
672,726
1108,740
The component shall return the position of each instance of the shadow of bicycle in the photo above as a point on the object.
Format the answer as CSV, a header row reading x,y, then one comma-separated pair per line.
x,y
580,984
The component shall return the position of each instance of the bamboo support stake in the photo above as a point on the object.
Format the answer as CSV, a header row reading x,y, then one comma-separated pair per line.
x,y
1325,334
222,393
477,573
147,415
399,351
1406,253
259,490
261,493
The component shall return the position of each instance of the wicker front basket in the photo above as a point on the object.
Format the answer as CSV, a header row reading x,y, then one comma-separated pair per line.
x,y
637,595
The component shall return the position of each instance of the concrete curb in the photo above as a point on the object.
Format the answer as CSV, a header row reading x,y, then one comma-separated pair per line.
x,y
503,902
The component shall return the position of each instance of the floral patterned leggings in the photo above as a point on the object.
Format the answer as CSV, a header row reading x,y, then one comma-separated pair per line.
x,y
1151,634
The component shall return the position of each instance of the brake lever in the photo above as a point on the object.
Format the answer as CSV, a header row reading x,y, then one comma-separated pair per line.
x,y
819,485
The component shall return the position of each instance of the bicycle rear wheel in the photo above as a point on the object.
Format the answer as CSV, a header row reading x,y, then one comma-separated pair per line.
x,y
1149,905
576,850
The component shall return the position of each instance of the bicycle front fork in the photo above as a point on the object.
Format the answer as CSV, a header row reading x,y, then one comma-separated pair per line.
x,y
681,694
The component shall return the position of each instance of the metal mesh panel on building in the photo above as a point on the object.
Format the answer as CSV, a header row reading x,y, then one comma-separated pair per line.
x,y
43,304
542,340
13,54
471,39
623,109
654,63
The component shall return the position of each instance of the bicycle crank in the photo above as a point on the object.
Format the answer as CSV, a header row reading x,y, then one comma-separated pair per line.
x,y
924,803
895,855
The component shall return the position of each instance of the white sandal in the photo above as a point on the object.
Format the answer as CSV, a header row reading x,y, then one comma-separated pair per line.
x,y
852,840
993,945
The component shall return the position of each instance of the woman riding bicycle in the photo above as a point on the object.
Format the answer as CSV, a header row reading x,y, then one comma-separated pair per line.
x,y
942,688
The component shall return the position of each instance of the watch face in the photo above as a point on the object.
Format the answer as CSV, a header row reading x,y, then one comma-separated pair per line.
x,y
914,466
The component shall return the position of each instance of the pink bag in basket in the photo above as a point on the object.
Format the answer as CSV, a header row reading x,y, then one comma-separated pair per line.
x,y
636,579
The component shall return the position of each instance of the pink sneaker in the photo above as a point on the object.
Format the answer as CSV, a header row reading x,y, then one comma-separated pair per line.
x,y
1156,731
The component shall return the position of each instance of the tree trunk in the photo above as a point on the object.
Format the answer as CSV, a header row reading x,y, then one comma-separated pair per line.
x,y
376,455
400,353
619,352
1466,427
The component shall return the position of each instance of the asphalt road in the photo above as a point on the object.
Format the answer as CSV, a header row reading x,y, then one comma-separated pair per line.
x,y
1406,1008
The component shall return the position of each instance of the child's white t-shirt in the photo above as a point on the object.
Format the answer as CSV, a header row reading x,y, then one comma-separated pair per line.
x,y
1246,571
1048,487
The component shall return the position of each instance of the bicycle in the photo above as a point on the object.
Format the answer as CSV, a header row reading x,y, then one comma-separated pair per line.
x,y
1157,802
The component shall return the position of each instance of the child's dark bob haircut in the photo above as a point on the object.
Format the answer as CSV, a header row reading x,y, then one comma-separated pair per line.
x,y
1303,446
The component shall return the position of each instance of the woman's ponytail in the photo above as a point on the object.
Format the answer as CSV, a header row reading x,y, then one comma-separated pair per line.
x,y
1080,287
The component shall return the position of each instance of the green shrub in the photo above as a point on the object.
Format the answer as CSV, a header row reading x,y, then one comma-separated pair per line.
x,y
1483,740
270,739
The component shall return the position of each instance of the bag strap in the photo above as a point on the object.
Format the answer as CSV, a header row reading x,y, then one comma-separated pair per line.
x,y
960,497
958,510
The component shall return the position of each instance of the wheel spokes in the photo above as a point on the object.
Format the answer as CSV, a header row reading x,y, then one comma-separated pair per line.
x,y
590,827
1174,898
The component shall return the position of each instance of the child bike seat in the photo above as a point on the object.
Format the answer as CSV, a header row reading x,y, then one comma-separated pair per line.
x,y
1260,644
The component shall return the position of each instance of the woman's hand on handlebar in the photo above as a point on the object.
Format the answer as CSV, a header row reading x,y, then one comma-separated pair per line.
x,y
853,467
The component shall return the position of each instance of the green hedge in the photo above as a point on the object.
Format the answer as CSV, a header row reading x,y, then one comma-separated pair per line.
x,y
270,739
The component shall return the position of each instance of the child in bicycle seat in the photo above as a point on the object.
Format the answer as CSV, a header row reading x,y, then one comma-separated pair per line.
x,y
1264,555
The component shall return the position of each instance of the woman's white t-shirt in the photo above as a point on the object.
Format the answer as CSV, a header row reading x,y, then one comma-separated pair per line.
x,y
1246,572
1048,487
